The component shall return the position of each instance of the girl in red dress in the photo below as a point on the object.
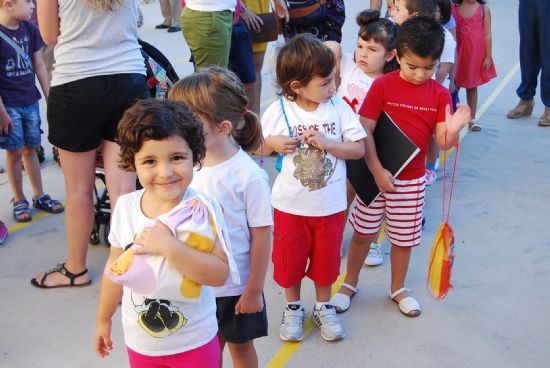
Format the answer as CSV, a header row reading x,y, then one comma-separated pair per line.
x,y
474,64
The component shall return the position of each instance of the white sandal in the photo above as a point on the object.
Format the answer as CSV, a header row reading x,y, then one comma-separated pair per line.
x,y
341,301
409,306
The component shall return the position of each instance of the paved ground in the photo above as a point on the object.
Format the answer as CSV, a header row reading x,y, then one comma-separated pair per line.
x,y
496,316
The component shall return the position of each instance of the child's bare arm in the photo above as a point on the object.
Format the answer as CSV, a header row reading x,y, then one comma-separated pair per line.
x,y
203,268
447,133
337,50
109,298
443,71
376,4
41,72
5,121
251,300
488,38
48,18
281,144
350,150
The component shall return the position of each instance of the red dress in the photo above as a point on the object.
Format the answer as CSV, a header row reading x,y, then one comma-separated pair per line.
x,y
471,50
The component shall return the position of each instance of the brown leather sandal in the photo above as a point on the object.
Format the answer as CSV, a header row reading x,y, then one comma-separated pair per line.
x,y
544,119
523,108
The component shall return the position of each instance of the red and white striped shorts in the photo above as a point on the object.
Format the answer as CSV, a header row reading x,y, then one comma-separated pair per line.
x,y
403,209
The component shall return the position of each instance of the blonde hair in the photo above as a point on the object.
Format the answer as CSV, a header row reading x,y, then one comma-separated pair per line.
x,y
217,94
104,5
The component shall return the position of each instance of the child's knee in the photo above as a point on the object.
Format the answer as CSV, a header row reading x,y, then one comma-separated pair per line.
x,y
28,151
14,155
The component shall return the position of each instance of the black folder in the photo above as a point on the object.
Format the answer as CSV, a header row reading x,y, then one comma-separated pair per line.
x,y
395,151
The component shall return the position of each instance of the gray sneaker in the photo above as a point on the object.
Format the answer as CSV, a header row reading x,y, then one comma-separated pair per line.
x,y
329,323
292,325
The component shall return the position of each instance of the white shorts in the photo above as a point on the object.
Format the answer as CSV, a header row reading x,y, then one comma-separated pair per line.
x,y
403,209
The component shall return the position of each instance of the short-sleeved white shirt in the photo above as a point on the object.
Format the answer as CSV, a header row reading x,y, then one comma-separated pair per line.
x,y
354,83
211,5
241,188
200,325
448,54
312,183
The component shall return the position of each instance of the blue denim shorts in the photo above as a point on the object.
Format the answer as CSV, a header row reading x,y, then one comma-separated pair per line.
x,y
26,128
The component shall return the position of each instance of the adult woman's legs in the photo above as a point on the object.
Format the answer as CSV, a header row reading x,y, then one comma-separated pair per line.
x,y
79,172
119,182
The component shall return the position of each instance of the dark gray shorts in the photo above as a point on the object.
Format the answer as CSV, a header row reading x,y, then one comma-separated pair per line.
x,y
240,328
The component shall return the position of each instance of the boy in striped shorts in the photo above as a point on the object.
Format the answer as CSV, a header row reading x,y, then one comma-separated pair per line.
x,y
420,107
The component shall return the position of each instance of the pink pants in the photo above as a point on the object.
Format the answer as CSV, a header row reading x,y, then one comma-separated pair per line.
x,y
206,356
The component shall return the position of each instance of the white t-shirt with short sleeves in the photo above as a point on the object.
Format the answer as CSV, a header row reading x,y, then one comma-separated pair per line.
x,y
448,54
211,5
241,188
312,182
354,83
186,325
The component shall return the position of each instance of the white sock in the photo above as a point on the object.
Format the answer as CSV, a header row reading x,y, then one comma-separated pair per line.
x,y
319,305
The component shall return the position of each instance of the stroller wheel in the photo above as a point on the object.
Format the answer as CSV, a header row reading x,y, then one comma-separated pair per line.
x,y
106,230
94,238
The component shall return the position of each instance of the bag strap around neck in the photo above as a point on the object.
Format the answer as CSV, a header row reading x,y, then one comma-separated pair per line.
x,y
286,117
17,48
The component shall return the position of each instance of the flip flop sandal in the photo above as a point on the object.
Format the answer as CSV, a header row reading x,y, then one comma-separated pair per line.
x,y
46,203
62,270
409,306
342,302
474,126
21,208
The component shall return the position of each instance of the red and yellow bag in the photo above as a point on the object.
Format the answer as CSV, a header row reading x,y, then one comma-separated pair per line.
x,y
442,255
441,262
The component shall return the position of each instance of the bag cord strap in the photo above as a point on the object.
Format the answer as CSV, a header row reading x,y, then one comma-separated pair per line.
x,y
445,183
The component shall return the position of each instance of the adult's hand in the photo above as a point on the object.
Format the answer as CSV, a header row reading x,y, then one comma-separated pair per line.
x,y
253,22
282,10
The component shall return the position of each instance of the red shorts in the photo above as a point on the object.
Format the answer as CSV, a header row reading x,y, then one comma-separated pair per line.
x,y
297,239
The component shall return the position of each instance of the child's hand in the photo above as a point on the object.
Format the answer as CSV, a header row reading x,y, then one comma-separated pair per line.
x,y
384,180
154,239
284,144
486,63
102,338
5,123
249,302
455,122
316,139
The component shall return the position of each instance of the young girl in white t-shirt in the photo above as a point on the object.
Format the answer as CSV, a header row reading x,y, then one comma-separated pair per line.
x,y
373,57
315,131
162,142
230,176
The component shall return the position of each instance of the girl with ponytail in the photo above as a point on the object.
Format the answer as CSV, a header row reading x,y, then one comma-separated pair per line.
x,y
230,176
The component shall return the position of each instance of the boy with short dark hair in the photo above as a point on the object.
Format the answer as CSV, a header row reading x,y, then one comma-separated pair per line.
x,y
20,132
419,106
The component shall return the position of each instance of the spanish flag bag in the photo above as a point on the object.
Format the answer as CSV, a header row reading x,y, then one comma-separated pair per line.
x,y
442,255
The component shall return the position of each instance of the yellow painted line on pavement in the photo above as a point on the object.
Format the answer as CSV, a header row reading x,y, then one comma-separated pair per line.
x,y
289,348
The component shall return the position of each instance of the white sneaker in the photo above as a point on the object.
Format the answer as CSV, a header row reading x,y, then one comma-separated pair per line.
x,y
374,258
329,323
292,325
431,176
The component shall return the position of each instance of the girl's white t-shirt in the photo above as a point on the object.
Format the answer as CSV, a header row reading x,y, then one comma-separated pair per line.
x,y
241,188
312,182
354,83
211,5
448,54
198,319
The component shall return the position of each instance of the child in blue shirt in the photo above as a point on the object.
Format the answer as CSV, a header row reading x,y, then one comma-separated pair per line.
x,y
20,60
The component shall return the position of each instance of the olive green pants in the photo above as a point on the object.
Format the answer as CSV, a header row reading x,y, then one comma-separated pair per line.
x,y
208,35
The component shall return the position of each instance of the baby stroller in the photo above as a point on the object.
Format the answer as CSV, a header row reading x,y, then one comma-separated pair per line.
x,y
161,76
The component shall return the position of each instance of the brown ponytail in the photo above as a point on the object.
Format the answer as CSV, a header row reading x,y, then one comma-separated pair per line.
x,y
217,94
